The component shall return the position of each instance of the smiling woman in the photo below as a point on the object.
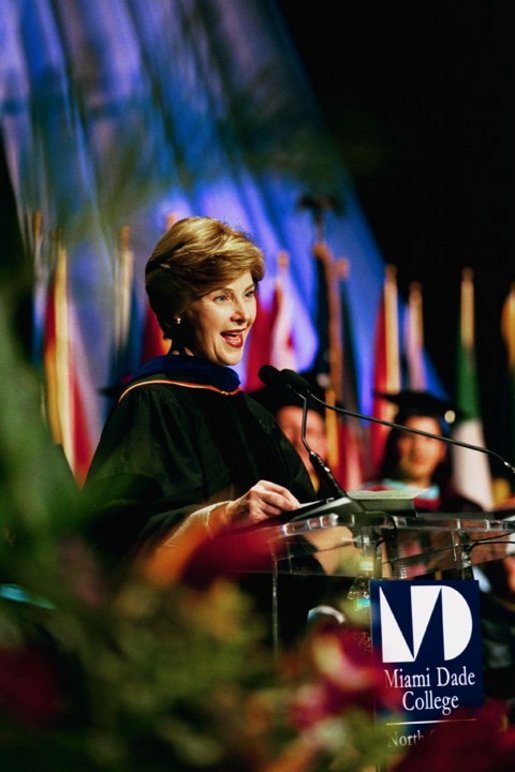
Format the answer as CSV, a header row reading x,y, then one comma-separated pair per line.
x,y
216,325
186,453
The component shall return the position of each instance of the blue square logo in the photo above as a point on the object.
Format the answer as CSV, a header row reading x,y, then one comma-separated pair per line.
x,y
426,636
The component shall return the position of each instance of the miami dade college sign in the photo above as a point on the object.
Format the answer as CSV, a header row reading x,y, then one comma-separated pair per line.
x,y
426,635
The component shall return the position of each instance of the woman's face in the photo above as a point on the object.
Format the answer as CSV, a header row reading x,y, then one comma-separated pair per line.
x,y
419,456
217,324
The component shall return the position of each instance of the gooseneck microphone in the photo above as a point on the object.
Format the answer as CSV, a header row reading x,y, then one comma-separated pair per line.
x,y
328,482
273,377
298,385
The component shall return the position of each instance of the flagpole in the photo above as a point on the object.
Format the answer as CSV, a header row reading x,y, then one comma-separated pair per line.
x,y
386,376
332,271
393,380
124,273
414,338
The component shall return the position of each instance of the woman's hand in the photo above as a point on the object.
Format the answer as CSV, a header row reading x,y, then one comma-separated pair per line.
x,y
265,499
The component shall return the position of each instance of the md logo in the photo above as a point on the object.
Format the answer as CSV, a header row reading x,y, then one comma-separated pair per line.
x,y
456,623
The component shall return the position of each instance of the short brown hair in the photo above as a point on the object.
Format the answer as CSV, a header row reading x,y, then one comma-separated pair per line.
x,y
194,256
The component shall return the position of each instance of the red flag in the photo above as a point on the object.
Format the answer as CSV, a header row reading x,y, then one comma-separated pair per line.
x,y
71,399
386,365
271,339
153,342
259,345
282,351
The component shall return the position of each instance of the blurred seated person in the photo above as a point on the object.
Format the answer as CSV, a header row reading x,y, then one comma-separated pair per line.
x,y
421,465
412,461
185,452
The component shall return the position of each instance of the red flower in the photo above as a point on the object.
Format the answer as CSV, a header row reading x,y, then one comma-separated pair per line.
x,y
346,677
481,745
230,554
29,689
197,560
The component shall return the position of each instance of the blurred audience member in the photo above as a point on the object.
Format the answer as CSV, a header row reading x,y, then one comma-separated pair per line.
x,y
287,408
422,464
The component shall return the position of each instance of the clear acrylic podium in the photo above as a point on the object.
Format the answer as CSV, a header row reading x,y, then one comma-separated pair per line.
x,y
384,527
380,535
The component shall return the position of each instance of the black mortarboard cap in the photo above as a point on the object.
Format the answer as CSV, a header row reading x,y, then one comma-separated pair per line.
x,y
421,403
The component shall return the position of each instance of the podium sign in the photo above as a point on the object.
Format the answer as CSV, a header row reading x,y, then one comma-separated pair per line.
x,y
426,636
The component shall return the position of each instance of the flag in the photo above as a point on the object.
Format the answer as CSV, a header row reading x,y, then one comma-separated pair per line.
x,y
123,282
328,361
386,370
282,349
71,398
414,340
323,359
282,334
259,346
471,471
502,489
350,471
127,325
153,343
336,365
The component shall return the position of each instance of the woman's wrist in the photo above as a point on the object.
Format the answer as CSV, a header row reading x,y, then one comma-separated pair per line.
x,y
217,517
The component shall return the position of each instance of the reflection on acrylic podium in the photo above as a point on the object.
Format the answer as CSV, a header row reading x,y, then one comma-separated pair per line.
x,y
383,531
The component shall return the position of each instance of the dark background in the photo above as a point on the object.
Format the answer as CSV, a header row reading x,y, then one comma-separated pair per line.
x,y
417,97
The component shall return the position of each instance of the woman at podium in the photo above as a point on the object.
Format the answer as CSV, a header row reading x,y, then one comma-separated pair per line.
x,y
185,454
185,445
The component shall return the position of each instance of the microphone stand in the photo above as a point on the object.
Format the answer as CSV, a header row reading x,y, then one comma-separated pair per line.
x,y
359,592
327,479
291,380
401,427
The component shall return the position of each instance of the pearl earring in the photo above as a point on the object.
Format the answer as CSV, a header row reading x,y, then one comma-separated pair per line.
x,y
177,320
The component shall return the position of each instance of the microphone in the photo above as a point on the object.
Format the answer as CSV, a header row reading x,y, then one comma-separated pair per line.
x,y
289,379
299,385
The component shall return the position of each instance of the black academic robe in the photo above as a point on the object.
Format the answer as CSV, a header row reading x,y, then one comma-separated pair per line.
x,y
178,440
181,436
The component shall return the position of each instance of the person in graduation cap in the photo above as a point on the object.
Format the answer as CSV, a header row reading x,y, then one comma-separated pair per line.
x,y
420,465
412,461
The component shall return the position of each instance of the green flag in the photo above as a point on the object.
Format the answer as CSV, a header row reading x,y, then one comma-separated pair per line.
x,y
471,470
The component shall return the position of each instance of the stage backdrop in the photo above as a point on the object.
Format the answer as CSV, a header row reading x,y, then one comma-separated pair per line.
x,y
118,117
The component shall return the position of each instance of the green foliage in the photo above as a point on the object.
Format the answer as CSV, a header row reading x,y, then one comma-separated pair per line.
x,y
108,676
